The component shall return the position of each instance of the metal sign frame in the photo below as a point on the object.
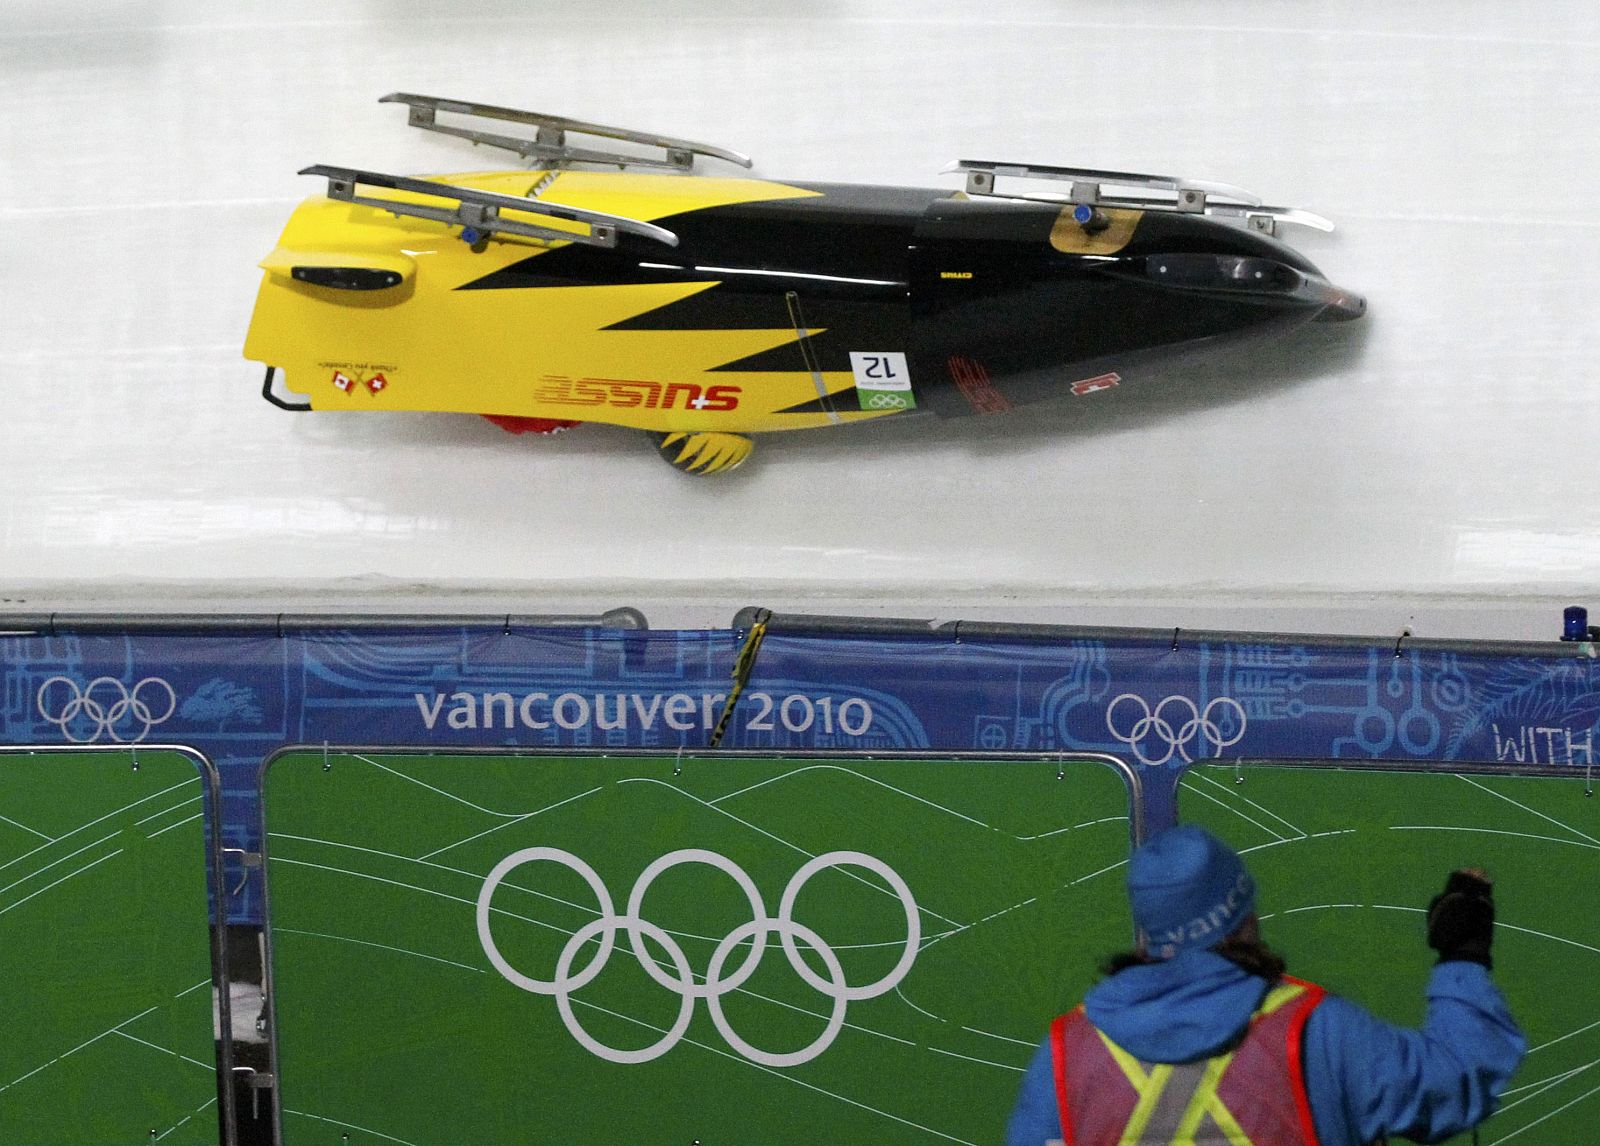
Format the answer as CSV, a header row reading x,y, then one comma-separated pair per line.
x,y
211,784
1129,775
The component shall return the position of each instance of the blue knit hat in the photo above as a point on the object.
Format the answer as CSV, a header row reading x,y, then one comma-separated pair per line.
x,y
1188,891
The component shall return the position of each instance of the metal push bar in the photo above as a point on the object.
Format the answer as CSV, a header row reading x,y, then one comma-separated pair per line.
x,y
480,211
549,145
1188,196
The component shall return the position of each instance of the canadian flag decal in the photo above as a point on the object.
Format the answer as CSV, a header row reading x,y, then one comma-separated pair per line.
x,y
342,381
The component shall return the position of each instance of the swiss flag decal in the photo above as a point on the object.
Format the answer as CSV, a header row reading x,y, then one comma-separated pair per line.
x,y
377,383
1099,382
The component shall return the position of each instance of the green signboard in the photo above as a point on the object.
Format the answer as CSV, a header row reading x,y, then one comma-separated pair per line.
x,y
642,947
105,950
1347,860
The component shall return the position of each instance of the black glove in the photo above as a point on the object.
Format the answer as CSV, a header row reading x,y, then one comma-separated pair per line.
x,y
1461,920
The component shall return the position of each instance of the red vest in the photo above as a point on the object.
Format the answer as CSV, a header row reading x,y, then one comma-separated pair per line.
x,y
1252,1095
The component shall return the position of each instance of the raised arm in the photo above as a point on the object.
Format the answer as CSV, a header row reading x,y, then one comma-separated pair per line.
x,y
1368,1079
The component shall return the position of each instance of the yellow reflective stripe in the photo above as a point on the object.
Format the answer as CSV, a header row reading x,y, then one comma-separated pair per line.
x,y
1229,1125
1148,1087
1278,996
1130,1065
1148,1097
1205,1099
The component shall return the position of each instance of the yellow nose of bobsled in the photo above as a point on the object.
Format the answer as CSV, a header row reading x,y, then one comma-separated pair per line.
x,y
361,309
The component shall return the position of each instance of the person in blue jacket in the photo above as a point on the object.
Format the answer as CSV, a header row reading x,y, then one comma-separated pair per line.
x,y
1200,1037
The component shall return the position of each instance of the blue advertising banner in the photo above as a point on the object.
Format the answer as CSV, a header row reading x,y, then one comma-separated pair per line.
x,y
1161,705
239,697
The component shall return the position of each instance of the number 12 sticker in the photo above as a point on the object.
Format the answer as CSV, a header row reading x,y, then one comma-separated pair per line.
x,y
882,380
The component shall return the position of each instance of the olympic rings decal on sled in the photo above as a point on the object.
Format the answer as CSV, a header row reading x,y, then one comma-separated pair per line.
x,y
887,402
105,702
1200,726
681,978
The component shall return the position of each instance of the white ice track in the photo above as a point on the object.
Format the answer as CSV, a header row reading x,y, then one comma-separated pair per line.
x,y
1433,465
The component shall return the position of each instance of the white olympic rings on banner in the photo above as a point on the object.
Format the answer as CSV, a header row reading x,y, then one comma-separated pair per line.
x,y
681,978
1200,726
105,703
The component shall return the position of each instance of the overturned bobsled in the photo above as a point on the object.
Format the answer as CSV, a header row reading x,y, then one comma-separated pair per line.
x,y
704,310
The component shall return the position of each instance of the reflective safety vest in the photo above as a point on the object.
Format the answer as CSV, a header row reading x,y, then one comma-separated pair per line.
x,y
1251,1095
